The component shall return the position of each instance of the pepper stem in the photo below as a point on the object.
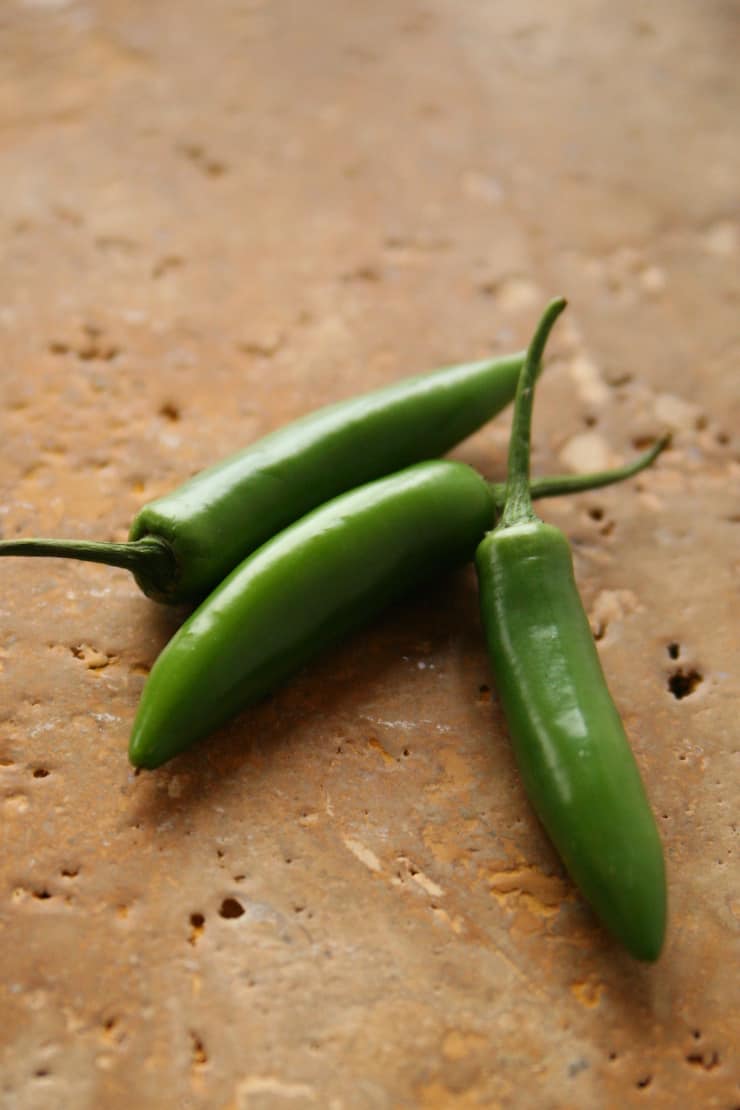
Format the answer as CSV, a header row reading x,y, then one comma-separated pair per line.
x,y
518,504
150,557
558,485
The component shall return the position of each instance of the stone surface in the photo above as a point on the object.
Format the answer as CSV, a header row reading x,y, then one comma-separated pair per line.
x,y
215,218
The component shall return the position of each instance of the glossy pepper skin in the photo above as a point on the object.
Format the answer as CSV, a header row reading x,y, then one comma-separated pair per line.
x,y
220,516
183,544
575,761
574,758
312,584
303,591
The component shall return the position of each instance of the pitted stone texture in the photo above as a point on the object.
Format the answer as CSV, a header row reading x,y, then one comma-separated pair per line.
x,y
217,217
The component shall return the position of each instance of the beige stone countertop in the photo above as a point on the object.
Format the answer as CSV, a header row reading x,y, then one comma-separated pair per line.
x,y
215,218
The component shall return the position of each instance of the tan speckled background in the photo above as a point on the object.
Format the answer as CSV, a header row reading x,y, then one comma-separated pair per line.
x,y
214,218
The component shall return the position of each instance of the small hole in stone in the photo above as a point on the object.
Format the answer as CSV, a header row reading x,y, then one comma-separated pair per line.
x,y
93,350
707,1061
169,411
596,513
171,262
70,872
42,1073
42,895
365,272
406,752
230,908
683,683
193,151
674,650
197,923
200,1056
40,773
644,1082
723,439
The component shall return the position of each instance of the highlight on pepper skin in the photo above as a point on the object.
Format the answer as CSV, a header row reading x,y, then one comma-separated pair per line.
x,y
314,583
183,544
574,758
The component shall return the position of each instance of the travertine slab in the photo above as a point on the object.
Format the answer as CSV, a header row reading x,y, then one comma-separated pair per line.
x,y
216,217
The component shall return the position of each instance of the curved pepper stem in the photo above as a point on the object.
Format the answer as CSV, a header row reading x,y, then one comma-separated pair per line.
x,y
518,503
558,485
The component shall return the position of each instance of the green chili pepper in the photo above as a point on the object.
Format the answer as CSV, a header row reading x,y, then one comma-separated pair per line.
x,y
183,544
570,745
313,583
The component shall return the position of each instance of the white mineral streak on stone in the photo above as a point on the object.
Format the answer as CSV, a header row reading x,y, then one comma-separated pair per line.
x,y
653,279
585,452
407,725
675,412
45,726
16,803
513,293
427,884
570,337
411,871
722,238
589,383
363,854
256,1085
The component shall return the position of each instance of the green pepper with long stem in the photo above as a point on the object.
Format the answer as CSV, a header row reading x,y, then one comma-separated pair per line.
x,y
572,751
184,543
311,585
